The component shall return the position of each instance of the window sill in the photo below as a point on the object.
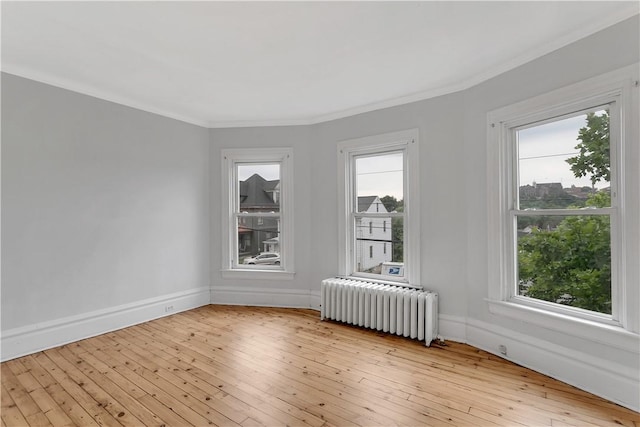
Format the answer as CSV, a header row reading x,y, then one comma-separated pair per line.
x,y
383,281
609,335
257,274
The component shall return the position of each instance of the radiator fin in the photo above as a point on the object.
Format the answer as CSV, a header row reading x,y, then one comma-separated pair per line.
x,y
402,311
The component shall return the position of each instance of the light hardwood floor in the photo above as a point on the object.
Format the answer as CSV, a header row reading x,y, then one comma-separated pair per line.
x,y
227,365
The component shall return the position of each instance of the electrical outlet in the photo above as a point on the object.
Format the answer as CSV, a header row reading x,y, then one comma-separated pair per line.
x,y
502,349
168,308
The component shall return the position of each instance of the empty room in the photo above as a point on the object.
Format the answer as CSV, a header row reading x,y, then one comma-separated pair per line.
x,y
320,213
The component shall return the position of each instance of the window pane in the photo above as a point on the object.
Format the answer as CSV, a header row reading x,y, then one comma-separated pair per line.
x,y
566,260
258,241
563,163
380,249
379,182
259,186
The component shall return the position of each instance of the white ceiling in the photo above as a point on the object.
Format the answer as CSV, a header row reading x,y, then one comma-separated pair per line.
x,y
221,64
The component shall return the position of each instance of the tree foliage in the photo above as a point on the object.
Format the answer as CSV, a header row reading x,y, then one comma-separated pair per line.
x,y
570,262
593,158
397,236
390,203
397,229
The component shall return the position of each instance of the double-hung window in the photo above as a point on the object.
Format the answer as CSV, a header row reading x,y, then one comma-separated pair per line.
x,y
561,209
378,179
257,213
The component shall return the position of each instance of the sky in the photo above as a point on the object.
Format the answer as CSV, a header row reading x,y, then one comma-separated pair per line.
x,y
267,171
543,150
380,175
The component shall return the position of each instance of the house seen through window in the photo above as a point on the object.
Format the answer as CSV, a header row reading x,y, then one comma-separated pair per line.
x,y
257,199
379,180
379,229
258,213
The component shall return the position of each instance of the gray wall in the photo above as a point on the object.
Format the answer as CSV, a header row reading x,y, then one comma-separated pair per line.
x,y
102,204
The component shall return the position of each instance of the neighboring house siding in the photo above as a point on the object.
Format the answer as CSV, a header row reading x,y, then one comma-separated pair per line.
x,y
259,195
371,253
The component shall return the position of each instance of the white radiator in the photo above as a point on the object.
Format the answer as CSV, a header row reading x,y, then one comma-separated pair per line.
x,y
403,311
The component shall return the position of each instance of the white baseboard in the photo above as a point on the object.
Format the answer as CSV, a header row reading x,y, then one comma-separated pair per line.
x,y
609,380
33,338
314,300
453,328
612,381
258,296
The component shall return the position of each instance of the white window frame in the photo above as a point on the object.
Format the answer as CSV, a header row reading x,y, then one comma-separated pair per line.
x,y
618,89
406,141
230,186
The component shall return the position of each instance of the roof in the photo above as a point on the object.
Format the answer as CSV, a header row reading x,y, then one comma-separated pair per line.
x,y
364,202
253,192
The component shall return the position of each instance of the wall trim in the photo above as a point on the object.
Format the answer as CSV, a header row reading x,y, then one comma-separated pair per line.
x,y
263,297
602,377
29,339
453,328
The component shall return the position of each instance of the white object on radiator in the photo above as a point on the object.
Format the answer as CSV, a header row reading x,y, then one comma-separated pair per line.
x,y
403,311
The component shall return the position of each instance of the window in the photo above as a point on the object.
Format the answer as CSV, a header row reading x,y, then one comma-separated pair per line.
x,y
257,222
559,209
379,175
562,209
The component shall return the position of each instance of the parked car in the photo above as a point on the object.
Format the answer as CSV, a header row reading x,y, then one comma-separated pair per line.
x,y
264,258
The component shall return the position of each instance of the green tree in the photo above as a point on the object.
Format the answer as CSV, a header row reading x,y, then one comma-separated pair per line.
x,y
397,229
594,149
390,203
570,263
397,237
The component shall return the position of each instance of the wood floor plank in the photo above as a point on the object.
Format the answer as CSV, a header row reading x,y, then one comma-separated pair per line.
x,y
270,381
153,372
128,401
10,413
175,403
45,381
78,404
238,399
19,391
237,412
300,362
259,366
254,392
293,368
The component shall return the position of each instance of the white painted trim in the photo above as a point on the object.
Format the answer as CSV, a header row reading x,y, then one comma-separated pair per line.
x,y
262,297
229,158
41,336
315,301
97,93
453,328
603,333
613,87
612,381
256,274
407,141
